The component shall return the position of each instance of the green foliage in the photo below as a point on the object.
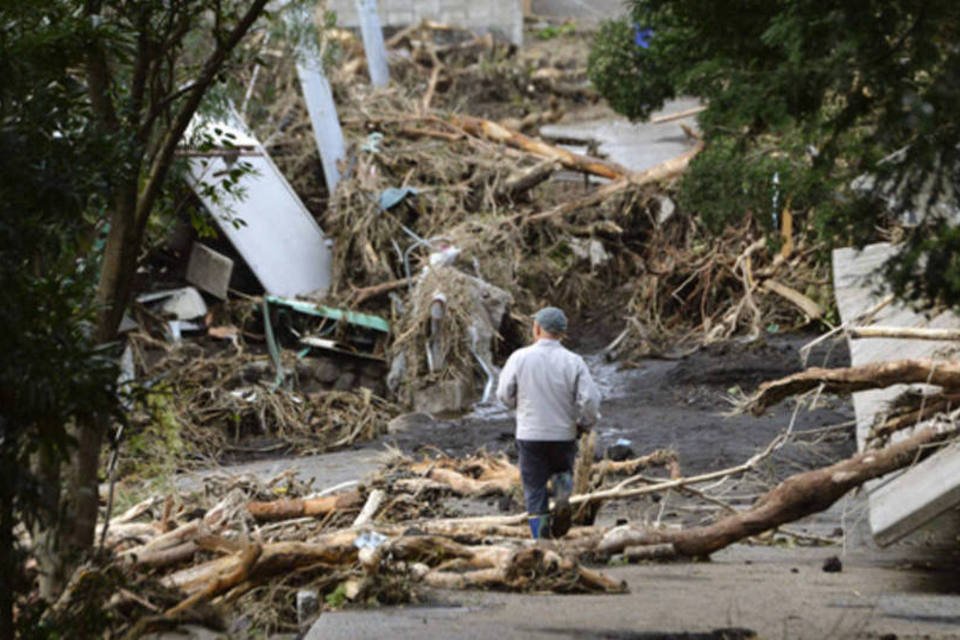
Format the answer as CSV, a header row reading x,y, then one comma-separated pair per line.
x,y
154,450
52,173
817,92
556,31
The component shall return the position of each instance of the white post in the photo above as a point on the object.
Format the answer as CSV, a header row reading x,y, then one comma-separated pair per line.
x,y
320,105
373,46
323,117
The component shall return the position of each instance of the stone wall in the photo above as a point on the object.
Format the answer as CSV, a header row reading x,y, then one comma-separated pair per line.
x,y
502,17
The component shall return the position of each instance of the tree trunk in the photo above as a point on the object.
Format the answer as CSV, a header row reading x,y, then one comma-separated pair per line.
x,y
798,496
9,565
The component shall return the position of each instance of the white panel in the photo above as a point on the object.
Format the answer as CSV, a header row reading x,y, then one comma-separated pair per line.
x,y
373,45
279,239
903,502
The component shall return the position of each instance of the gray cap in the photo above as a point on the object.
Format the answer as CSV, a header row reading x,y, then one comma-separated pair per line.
x,y
551,320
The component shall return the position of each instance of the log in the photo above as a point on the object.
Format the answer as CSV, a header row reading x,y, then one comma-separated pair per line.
x,y
523,181
813,310
334,548
496,133
798,496
466,486
238,574
908,333
297,507
660,458
877,375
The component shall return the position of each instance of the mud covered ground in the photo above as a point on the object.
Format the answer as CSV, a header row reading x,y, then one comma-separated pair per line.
x,y
684,404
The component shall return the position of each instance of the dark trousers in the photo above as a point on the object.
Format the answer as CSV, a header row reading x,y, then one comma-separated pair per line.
x,y
540,459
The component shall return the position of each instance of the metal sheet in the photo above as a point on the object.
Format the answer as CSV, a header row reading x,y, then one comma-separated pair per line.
x,y
267,223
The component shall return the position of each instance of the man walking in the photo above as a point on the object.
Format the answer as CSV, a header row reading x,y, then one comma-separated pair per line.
x,y
555,398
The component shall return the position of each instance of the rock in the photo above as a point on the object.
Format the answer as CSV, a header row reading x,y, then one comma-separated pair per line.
x,y
409,421
345,381
449,396
326,370
832,565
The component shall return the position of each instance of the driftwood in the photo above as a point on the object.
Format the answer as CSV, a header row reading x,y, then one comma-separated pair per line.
x,y
909,333
663,171
813,310
911,418
523,181
677,115
298,507
942,373
797,496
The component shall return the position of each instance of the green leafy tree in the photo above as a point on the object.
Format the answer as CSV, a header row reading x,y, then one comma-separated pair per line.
x,y
96,99
52,175
852,105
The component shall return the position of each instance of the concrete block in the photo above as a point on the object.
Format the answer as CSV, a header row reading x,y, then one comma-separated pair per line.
x,y
326,370
209,270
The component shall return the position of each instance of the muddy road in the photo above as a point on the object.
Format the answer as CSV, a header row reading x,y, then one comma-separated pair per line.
x,y
683,404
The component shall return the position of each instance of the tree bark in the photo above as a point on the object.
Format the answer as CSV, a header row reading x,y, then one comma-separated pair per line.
x,y
798,496
878,375
9,565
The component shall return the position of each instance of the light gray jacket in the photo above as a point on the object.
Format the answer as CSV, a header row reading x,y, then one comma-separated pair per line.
x,y
551,389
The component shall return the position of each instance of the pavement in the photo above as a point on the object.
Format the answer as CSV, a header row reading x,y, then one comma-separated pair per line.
x,y
745,592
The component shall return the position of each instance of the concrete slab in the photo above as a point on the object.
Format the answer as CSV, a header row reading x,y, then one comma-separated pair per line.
x,y
635,145
904,502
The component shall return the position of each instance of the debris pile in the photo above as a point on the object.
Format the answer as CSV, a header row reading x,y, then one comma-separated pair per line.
x,y
218,393
253,549
427,185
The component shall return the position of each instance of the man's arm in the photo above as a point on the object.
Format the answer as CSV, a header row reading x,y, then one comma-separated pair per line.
x,y
587,398
507,385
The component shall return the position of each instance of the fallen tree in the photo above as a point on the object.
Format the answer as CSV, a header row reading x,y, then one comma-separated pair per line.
x,y
943,373
800,495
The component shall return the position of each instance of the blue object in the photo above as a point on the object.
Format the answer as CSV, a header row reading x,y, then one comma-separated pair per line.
x,y
392,196
623,442
642,36
539,526
372,143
